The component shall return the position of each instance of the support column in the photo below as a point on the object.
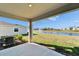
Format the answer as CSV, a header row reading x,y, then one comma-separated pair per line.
x,y
30,32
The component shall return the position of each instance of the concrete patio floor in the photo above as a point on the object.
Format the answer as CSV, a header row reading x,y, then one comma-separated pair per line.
x,y
29,49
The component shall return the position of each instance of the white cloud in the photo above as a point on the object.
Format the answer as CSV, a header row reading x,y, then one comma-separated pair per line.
x,y
53,18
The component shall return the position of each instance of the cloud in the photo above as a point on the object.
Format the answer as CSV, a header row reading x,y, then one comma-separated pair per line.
x,y
53,18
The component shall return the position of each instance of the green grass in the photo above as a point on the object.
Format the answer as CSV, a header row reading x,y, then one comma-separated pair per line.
x,y
68,45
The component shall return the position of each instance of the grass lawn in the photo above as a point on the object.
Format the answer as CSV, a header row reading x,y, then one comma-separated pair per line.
x,y
68,45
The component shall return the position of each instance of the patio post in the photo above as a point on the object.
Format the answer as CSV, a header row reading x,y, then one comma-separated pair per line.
x,y
30,32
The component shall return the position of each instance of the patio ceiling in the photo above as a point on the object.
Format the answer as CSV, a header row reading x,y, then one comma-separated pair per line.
x,y
37,11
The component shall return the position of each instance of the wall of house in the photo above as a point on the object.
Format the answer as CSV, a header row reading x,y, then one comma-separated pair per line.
x,y
21,30
9,30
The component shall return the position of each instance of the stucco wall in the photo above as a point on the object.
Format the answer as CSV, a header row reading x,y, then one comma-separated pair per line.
x,y
9,30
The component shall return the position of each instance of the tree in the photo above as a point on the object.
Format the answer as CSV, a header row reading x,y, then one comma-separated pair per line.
x,y
71,28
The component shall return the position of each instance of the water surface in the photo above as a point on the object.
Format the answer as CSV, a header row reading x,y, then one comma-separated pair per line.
x,y
62,33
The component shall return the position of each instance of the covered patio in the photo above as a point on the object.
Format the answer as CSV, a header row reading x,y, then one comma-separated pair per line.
x,y
32,12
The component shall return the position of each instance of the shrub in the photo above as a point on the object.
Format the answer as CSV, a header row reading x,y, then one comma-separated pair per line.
x,y
18,37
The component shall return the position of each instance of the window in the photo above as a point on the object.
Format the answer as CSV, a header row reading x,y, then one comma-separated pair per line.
x,y
15,29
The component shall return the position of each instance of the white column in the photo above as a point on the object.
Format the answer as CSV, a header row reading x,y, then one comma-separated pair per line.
x,y
30,32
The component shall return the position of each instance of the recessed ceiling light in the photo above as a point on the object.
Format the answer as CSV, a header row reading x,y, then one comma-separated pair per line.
x,y
30,5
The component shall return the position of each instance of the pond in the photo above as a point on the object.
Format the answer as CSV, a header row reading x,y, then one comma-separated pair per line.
x,y
62,33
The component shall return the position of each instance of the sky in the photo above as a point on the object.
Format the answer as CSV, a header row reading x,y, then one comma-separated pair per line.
x,y
64,20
